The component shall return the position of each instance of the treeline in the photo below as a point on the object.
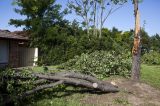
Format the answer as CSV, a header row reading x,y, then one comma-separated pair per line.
x,y
60,40
61,44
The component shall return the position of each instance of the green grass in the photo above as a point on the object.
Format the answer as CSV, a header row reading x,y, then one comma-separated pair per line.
x,y
59,97
63,101
150,74
121,101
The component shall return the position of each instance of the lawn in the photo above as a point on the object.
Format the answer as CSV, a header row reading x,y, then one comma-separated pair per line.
x,y
150,74
67,97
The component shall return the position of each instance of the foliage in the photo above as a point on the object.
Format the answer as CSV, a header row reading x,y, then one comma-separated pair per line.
x,y
101,64
40,17
63,44
145,41
151,58
149,43
11,88
38,12
155,42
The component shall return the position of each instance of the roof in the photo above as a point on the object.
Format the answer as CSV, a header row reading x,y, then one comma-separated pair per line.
x,y
17,35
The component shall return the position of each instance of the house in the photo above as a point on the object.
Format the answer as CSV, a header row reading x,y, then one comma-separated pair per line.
x,y
14,49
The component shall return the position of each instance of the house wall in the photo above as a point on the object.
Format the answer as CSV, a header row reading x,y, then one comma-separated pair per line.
x,y
13,53
16,53
28,56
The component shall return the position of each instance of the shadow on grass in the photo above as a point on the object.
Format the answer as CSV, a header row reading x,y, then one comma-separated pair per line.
x,y
58,93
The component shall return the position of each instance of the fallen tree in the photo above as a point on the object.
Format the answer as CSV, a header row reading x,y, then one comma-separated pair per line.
x,y
50,80
71,78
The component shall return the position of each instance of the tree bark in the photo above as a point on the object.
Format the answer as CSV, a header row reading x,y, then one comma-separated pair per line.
x,y
136,51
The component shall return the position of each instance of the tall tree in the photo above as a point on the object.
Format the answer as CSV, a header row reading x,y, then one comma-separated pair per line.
x,y
136,51
155,42
108,7
95,12
40,15
82,8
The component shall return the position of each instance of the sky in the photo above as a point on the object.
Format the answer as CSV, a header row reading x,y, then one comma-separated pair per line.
x,y
123,19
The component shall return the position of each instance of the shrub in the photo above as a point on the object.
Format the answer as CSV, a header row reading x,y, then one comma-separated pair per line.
x,y
101,64
151,58
11,88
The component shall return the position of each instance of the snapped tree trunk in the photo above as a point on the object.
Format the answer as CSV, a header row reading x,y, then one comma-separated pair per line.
x,y
136,51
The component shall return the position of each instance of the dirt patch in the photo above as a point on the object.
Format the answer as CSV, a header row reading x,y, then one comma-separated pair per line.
x,y
131,94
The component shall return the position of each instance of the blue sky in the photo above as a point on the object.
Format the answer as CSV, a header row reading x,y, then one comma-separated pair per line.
x,y
122,19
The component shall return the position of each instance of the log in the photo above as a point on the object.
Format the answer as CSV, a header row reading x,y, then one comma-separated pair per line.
x,y
82,76
74,78
102,86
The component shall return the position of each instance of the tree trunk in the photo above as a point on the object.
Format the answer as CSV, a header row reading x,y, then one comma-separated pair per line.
x,y
136,51
69,77
87,26
88,31
95,8
136,66
101,19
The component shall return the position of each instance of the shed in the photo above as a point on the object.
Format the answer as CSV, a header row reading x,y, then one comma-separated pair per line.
x,y
15,50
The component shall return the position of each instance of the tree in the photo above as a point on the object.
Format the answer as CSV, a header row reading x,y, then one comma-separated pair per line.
x,y
95,12
106,9
145,41
83,9
40,15
136,51
155,42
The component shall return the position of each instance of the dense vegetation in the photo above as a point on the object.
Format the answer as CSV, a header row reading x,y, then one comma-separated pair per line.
x,y
101,64
151,58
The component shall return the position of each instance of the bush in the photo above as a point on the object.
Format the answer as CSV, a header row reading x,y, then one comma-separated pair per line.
x,y
11,87
151,58
101,64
